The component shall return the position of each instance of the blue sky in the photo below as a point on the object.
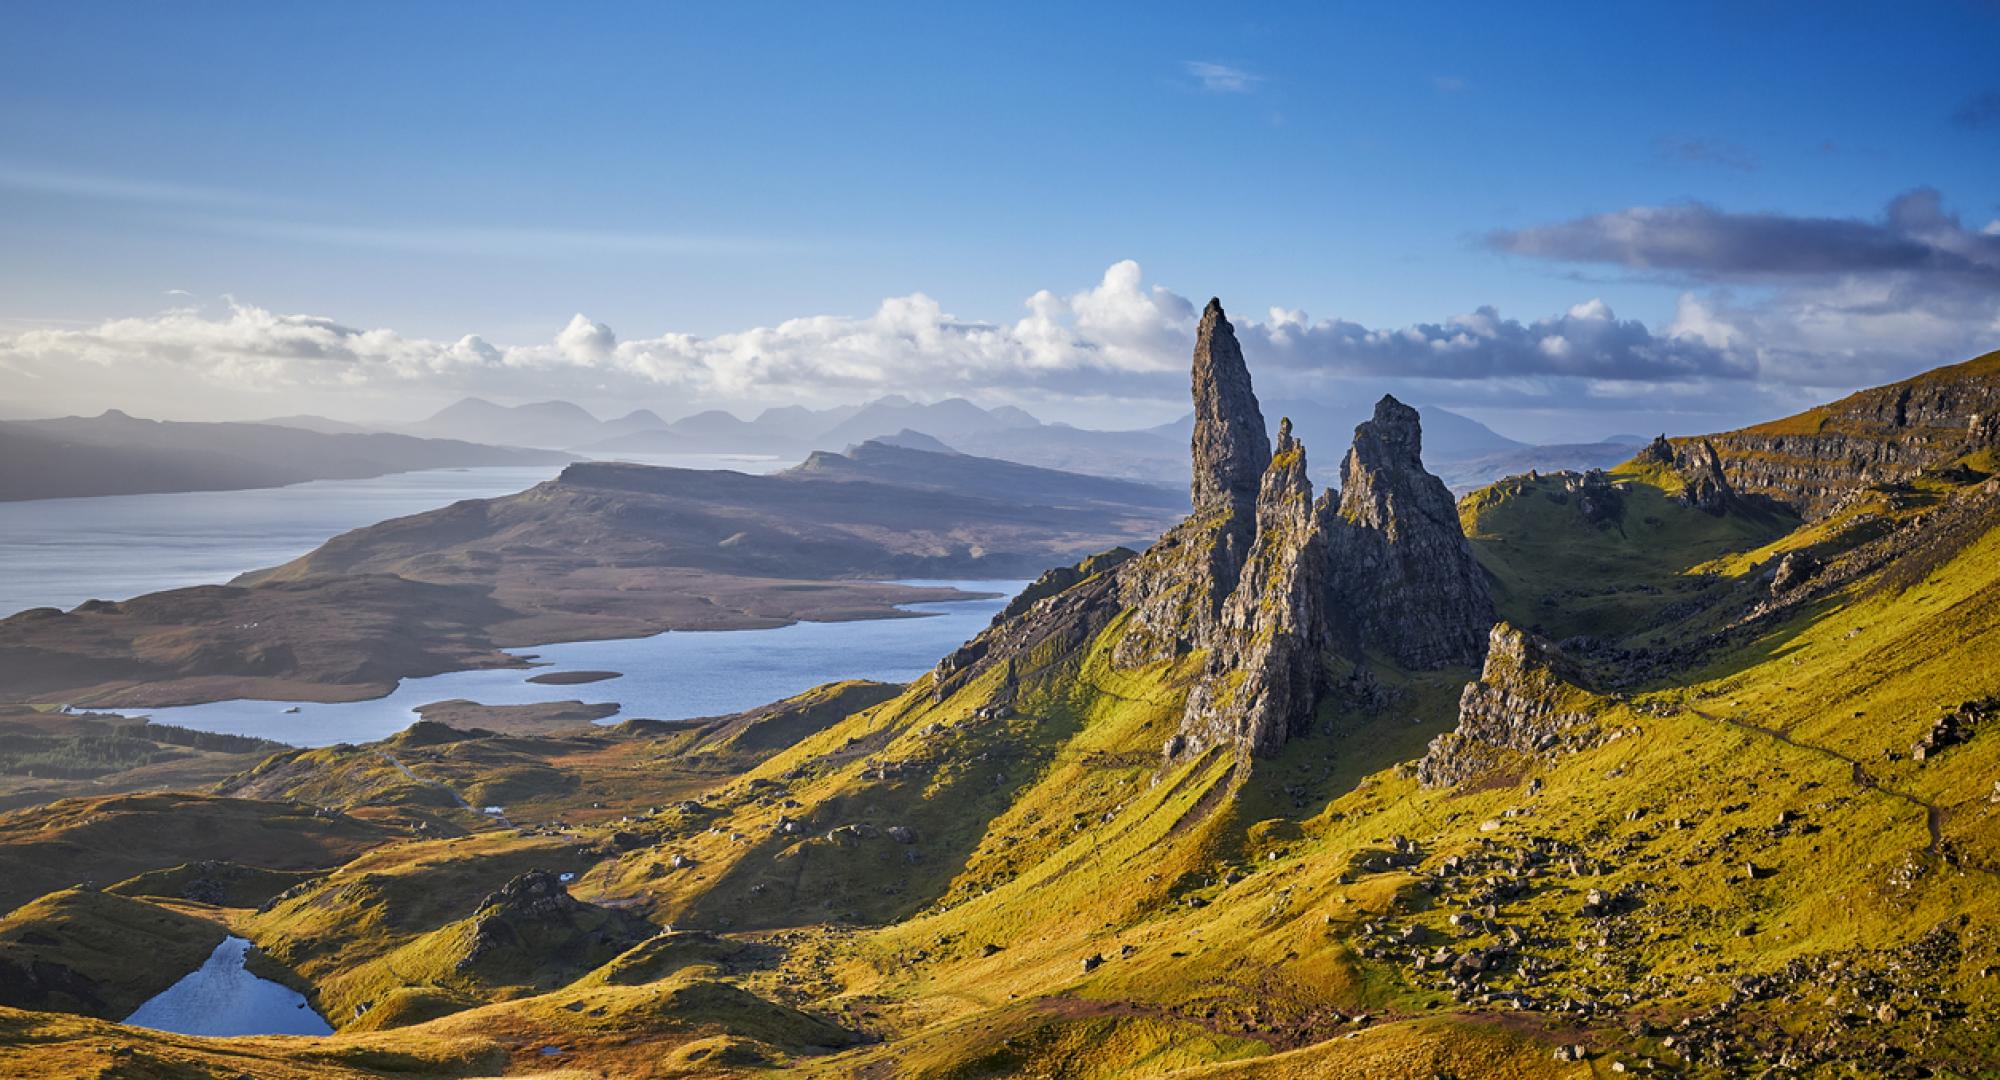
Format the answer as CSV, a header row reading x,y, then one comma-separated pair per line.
x,y
437,170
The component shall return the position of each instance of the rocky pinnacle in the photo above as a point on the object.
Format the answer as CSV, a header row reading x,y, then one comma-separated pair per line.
x,y
1275,585
1179,586
1265,667
1231,448
1404,577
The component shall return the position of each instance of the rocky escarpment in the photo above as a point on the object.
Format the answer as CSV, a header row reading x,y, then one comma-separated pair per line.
x,y
1527,702
1271,583
1403,575
1265,669
1704,482
1809,462
1177,593
1074,605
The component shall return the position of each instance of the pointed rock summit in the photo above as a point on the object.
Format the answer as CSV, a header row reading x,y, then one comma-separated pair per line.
x,y
1404,576
1269,590
1266,665
1231,448
1179,590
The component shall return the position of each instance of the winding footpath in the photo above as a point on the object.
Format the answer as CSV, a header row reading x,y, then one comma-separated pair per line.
x,y
1933,813
456,799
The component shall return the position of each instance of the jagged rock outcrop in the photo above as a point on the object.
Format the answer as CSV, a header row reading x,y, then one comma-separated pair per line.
x,y
1074,605
1809,462
1704,482
1596,498
1403,577
533,923
1178,592
1706,486
1266,667
1792,571
1526,701
1269,581
1231,448
1061,579
537,894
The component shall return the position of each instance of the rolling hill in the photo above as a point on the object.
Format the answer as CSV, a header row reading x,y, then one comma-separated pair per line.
x,y
1688,767
605,550
115,454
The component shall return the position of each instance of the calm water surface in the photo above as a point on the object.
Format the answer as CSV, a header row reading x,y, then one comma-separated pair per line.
x,y
670,676
222,998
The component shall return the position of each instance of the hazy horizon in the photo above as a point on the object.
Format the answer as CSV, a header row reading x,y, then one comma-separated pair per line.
x,y
242,212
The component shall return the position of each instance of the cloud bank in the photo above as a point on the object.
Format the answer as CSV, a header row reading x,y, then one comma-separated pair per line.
x,y
1915,234
1120,338
1773,312
1808,300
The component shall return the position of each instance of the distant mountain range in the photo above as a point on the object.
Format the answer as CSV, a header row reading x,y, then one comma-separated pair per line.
x,y
1461,450
787,431
116,454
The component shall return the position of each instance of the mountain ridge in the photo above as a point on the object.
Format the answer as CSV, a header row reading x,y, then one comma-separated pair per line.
x,y
1712,794
116,454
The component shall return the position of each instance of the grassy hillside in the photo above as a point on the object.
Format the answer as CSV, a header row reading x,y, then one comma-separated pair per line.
x,y
1725,799
105,840
1560,574
94,953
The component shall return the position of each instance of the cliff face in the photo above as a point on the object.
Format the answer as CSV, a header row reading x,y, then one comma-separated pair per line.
x,y
1524,703
1178,591
1266,580
1265,667
1403,574
1810,461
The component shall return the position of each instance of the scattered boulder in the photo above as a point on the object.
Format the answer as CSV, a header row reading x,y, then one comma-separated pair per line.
x,y
1526,701
1793,571
1955,725
1597,500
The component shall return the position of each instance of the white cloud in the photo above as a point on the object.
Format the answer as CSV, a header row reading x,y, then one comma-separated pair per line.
x,y
585,342
1221,78
1117,336
1120,339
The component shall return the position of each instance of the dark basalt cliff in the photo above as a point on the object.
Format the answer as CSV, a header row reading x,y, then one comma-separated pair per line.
x,y
1266,580
1525,703
1809,462
1264,670
1403,574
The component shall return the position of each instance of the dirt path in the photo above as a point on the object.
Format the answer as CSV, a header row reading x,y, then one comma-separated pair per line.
x,y
1933,813
456,799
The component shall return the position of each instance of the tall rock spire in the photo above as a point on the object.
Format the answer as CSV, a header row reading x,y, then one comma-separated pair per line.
x,y
1178,588
1403,575
1231,448
1266,661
